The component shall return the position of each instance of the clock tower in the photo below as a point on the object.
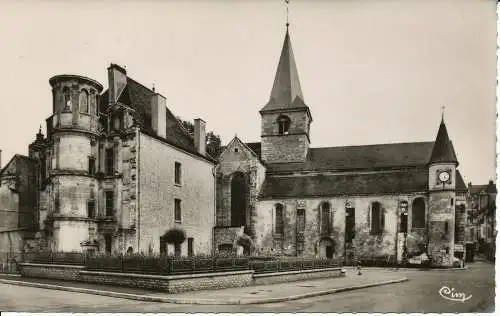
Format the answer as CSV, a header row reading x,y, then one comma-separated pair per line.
x,y
441,215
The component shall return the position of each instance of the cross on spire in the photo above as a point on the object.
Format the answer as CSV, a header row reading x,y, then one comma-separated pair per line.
x,y
286,4
442,112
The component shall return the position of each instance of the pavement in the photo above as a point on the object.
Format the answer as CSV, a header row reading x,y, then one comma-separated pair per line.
x,y
232,296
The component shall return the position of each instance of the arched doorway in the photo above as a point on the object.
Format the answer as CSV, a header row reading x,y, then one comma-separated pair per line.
x,y
238,199
326,248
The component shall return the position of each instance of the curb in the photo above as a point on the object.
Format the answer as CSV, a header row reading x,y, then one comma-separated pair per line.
x,y
149,298
412,269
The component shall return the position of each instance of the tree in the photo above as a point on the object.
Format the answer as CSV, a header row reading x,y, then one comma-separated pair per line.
x,y
212,139
174,236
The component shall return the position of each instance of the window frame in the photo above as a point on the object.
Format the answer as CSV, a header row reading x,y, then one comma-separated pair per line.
x,y
284,123
109,207
279,229
85,107
177,173
178,210
377,223
92,165
91,210
109,161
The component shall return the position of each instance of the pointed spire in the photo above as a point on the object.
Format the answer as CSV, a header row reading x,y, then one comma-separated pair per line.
x,y
286,92
443,150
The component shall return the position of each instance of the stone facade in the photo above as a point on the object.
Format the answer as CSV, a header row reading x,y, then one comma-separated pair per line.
x,y
105,176
385,200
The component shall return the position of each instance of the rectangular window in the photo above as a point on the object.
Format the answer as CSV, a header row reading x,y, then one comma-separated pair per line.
x,y
279,221
108,240
446,227
301,220
178,173
109,203
177,210
91,165
109,161
91,208
190,247
177,250
377,219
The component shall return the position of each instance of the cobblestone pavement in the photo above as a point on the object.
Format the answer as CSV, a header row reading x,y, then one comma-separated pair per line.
x,y
420,294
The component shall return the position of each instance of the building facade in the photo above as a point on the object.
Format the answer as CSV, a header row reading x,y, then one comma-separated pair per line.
x,y
399,200
117,170
481,219
18,217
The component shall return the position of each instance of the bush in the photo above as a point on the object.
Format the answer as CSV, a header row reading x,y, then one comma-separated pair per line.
x,y
174,236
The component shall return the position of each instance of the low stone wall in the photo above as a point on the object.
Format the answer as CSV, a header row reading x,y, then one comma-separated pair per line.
x,y
290,276
171,283
50,271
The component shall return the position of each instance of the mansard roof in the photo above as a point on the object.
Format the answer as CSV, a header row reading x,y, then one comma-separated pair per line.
x,y
443,150
286,92
138,97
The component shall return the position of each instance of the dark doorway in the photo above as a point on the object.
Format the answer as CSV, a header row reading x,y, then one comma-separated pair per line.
x,y
329,252
238,200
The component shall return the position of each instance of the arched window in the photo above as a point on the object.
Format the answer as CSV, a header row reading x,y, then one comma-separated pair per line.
x,y
325,219
84,101
283,124
418,213
92,103
377,218
278,220
238,200
67,98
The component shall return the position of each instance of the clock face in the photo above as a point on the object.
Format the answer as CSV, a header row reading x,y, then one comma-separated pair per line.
x,y
444,176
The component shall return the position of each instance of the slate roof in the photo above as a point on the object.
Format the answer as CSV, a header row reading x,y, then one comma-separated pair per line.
x,y
486,188
138,97
286,92
364,157
255,147
393,182
443,150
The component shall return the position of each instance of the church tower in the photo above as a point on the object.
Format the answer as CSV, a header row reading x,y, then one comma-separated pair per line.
x,y
285,119
441,217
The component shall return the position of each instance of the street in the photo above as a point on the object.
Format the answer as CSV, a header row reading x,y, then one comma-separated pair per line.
x,y
420,294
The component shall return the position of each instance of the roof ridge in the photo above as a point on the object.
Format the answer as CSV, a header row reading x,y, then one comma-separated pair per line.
x,y
373,145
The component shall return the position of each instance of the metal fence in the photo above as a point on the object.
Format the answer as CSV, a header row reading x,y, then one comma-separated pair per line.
x,y
166,265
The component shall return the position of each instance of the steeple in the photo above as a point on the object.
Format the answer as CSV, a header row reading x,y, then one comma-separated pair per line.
x,y
286,92
443,148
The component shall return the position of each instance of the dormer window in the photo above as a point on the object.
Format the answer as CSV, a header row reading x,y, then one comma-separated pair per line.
x,y
283,125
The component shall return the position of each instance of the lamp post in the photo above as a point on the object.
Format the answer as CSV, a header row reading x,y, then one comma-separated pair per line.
x,y
403,206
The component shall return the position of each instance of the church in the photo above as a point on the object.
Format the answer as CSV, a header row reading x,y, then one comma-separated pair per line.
x,y
398,200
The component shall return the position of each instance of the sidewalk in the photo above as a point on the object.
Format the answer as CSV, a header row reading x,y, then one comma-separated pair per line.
x,y
232,296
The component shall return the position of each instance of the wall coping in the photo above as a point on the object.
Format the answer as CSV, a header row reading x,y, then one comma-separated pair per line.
x,y
263,275
66,266
167,277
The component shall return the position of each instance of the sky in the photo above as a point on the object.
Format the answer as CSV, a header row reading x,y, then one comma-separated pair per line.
x,y
371,71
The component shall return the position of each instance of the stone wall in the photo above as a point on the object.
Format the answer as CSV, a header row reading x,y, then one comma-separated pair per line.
x,y
50,271
238,158
441,228
383,244
291,276
285,148
158,190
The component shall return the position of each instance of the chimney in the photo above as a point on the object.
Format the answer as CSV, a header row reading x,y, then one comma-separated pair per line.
x,y
159,114
199,136
117,79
